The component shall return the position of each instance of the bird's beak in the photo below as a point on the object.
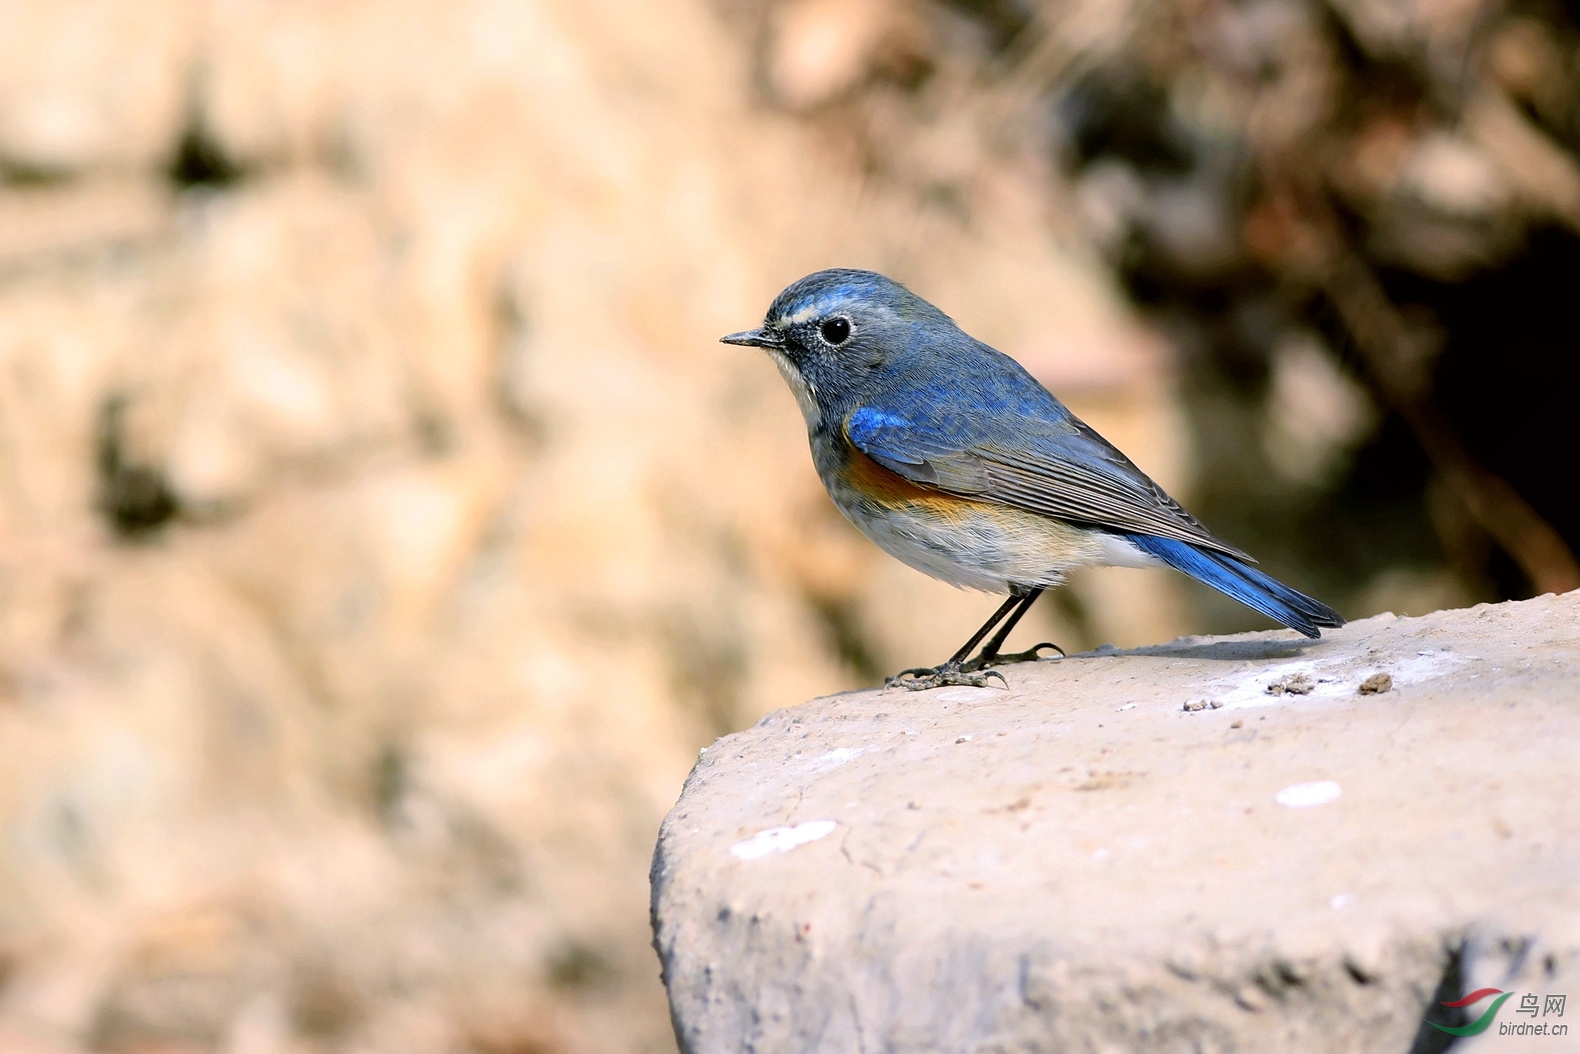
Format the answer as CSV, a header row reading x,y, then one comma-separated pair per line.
x,y
755,338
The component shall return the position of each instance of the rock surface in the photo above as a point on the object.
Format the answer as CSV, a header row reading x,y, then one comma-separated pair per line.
x,y
1085,862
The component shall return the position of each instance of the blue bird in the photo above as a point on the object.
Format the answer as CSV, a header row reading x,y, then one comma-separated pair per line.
x,y
956,461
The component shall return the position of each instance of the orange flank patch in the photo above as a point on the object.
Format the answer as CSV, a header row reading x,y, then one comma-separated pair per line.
x,y
883,487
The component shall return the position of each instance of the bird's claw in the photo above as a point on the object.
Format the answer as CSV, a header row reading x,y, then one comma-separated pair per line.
x,y
1031,654
921,678
973,673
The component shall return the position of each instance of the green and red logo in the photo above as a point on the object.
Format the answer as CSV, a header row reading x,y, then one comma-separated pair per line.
x,y
1482,1023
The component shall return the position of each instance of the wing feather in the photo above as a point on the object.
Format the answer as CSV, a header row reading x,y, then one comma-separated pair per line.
x,y
1057,466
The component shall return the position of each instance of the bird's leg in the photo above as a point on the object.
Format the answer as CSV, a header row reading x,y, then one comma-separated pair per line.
x,y
921,678
989,656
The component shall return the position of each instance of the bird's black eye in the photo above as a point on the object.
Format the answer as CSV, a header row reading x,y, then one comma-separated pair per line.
x,y
835,330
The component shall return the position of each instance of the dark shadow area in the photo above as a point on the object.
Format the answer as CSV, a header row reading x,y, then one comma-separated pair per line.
x,y
135,499
1429,1040
199,162
1509,375
1217,651
20,174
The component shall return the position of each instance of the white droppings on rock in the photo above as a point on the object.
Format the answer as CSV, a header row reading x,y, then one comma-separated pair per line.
x,y
1304,795
967,695
838,756
1329,678
781,839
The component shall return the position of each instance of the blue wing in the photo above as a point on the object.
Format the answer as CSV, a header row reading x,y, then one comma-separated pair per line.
x,y
1019,446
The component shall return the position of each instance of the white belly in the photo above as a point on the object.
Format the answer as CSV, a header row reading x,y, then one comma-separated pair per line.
x,y
990,547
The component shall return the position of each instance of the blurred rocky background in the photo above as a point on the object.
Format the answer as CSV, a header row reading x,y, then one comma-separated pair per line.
x,y
382,530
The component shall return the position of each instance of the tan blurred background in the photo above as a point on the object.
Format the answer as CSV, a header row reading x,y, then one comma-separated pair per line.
x,y
383,531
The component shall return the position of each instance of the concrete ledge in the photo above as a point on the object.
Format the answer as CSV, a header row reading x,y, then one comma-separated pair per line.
x,y
1088,862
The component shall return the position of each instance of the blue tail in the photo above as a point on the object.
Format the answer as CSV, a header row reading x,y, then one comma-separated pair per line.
x,y
1241,581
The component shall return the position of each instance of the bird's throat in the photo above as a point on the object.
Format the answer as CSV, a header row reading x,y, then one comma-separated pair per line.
x,y
805,396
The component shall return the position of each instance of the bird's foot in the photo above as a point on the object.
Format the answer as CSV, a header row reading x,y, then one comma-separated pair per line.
x,y
987,661
921,678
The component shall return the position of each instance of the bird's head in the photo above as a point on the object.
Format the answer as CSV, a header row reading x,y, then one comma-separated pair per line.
x,y
834,334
